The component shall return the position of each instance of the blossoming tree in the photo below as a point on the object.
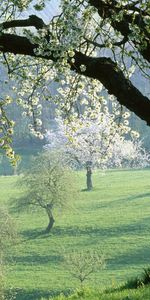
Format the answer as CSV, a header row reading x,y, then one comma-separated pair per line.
x,y
97,141
99,40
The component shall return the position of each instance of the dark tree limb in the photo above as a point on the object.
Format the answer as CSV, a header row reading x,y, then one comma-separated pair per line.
x,y
108,73
16,44
100,68
31,21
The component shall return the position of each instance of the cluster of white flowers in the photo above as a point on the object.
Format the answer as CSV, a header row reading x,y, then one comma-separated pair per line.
x,y
129,153
79,100
6,130
93,136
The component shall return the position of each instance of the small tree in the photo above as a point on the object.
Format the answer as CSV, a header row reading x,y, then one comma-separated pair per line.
x,y
49,184
82,264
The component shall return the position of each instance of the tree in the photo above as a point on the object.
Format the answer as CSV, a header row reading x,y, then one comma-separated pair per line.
x,y
48,185
85,142
129,154
83,264
97,141
75,40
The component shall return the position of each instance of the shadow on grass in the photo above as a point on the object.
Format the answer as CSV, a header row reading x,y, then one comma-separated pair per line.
x,y
136,197
94,189
137,257
31,234
35,259
84,190
117,202
37,294
137,227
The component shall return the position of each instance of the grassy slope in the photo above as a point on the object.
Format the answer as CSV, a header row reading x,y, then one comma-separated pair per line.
x,y
141,294
113,218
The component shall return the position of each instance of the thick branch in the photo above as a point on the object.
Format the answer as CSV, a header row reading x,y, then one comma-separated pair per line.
x,y
108,73
16,44
31,21
102,69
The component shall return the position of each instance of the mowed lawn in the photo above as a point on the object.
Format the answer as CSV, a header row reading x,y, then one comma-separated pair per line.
x,y
114,219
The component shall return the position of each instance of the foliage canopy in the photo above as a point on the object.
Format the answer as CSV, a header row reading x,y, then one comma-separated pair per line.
x,y
87,42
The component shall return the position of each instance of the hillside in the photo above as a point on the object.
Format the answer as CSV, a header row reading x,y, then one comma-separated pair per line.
x,y
113,219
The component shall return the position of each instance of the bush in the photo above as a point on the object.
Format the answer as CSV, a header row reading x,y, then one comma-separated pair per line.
x,y
139,281
82,264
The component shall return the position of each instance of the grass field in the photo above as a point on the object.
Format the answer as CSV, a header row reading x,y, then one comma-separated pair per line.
x,y
114,218
140,294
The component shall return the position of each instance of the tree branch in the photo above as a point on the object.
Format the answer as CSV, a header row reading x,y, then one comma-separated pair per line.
x,y
108,73
100,68
31,21
117,44
107,10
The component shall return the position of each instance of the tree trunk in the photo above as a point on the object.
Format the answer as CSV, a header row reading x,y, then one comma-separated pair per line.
x,y
89,178
51,220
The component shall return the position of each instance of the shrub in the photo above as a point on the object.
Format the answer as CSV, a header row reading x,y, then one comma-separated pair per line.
x,y
138,282
82,264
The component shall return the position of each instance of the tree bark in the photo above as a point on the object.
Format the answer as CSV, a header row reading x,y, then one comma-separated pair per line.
x,y
109,74
51,219
89,178
100,68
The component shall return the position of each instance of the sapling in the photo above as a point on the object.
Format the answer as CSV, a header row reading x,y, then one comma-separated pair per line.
x,y
82,264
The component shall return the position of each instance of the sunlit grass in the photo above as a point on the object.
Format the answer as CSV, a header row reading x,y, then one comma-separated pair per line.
x,y
113,218
141,294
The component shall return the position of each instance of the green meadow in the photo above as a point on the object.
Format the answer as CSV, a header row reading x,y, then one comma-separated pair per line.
x,y
113,219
